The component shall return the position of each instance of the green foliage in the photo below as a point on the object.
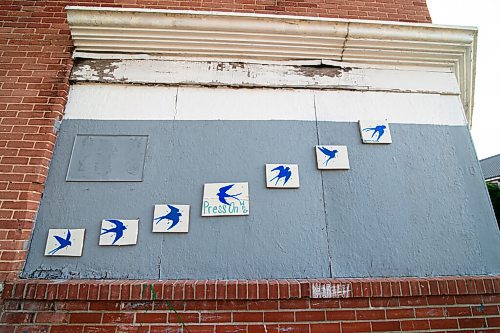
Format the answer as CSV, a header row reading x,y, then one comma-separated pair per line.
x,y
494,191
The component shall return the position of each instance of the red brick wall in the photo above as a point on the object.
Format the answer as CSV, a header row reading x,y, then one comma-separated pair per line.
x,y
35,51
34,68
438,305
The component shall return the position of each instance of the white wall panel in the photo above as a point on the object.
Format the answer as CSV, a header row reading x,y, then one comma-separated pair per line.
x,y
111,102
405,108
124,102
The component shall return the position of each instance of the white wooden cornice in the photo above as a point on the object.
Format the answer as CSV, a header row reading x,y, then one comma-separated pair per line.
x,y
190,35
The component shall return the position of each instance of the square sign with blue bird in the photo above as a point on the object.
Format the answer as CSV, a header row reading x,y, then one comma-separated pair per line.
x,y
119,232
171,218
65,242
282,176
332,157
375,131
223,199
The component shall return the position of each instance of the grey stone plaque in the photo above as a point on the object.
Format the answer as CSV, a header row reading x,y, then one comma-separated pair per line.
x,y
107,158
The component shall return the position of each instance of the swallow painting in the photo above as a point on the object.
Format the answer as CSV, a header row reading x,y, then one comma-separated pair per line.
x,y
329,153
379,129
223,199
332,157
223,195
119,232
171,218
376,131
282,175
65,242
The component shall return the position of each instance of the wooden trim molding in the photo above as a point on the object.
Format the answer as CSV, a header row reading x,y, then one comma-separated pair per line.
x,y
100,32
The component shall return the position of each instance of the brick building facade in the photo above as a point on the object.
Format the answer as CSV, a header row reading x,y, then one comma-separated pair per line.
x,y
35,67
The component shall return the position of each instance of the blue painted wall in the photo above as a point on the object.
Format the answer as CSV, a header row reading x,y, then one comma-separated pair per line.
x,y
416,207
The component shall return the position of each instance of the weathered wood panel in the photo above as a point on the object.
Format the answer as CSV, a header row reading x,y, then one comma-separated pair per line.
x,y
313,74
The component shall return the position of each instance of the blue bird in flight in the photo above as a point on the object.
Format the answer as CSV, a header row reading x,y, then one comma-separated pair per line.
x,y
173,215
222,194
377,129
284,172
118,230
62,242
330,153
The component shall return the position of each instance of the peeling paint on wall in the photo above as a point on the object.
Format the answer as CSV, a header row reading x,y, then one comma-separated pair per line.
x,y
307,75
322,70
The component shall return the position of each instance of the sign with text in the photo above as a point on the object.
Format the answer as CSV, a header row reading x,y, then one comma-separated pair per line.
x,y
331,290
222,199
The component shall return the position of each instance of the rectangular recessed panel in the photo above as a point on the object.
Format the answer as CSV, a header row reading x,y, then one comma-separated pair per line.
x,y
112,158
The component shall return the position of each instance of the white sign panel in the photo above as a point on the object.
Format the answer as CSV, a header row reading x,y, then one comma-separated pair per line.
x,y
221,199
119,232
331,290
375,131
171,218
332,157
65,242
282,175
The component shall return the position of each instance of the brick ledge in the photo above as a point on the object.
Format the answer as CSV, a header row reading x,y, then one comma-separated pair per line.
x,y
131,290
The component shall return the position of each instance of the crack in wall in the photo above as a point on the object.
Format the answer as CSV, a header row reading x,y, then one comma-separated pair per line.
x,y
159,261
172,142
175,103
345,42
323,192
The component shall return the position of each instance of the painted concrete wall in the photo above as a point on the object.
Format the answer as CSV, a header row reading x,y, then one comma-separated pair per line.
x,y
416,207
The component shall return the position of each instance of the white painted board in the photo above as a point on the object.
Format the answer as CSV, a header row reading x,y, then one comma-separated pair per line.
x,y
332,157
375,131
119,232
119,102
171,218
65,242
223,199
282,176
297,75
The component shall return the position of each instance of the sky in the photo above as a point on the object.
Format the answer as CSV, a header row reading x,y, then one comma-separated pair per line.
x,y
484,15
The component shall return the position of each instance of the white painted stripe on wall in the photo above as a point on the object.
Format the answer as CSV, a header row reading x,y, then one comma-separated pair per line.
x,y
397,108
125,102
245,104
120,102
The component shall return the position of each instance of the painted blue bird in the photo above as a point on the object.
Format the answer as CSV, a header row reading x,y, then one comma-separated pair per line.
x,y
330,153
173,215
284,172
62,242
377,129
222,194
118,230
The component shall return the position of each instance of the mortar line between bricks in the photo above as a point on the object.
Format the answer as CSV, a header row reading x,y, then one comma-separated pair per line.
x,y
272,322
253,311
